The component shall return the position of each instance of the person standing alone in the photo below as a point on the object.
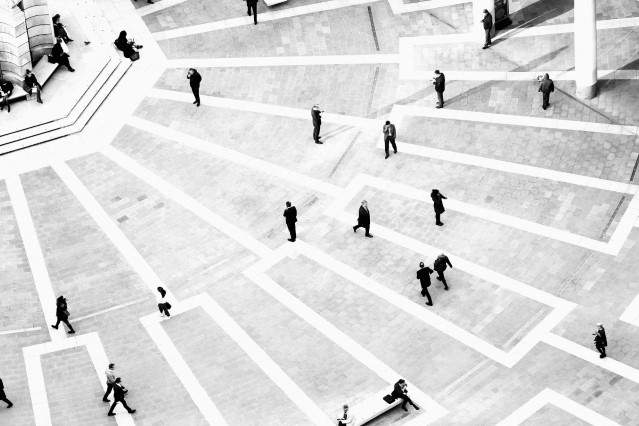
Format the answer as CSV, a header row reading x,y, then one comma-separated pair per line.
x,y
546,88
438,205
440,85
488,27
291,217
600,340
423,275
252,4
194,81
389,137
317,122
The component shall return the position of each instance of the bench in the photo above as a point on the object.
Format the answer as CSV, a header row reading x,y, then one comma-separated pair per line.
x,y
272,2
372,407
43,71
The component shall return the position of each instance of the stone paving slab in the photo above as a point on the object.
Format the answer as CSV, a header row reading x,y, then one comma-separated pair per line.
x,y
240,390
551,12
550,414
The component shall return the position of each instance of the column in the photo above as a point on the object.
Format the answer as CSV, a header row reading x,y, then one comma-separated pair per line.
x,y
585,49
478,15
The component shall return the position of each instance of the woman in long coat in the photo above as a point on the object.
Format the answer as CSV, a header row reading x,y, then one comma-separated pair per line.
x,y
438,205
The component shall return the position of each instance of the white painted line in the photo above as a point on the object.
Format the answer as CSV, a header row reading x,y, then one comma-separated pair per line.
x,y
105,311
279,61
398,6
631,314
434,411
549,396
35,376
186,201
592,357
20,330
407,72
158,6
34,256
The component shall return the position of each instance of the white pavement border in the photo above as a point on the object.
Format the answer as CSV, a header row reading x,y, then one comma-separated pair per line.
x,y
35,376
257,274
549,396
280,61
19,330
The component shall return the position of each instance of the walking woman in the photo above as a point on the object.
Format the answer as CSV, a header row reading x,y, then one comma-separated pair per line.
x,y
62,314
163,304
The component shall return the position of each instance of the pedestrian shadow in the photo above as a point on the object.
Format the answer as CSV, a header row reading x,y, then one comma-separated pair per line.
x,y
541,11
537,62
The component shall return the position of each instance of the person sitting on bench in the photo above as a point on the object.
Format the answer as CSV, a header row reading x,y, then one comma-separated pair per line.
x,y
128,47
346,418
59,56
400,392
31,85
6,88
59,31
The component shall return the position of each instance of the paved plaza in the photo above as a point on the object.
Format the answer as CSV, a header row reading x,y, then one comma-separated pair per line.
x,y
541,222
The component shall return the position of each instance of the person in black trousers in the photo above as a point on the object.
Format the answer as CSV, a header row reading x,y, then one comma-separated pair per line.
x,y
423,275
600,340
440,85
252,4
290,213
546,88
389,137
31,84
440,266
3,396
400,392
438,205
110,376
62,313
488,26
364,219
59,56
194,81
118,396
317,122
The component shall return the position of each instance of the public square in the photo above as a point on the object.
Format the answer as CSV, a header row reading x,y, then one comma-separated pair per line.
x,y
541,223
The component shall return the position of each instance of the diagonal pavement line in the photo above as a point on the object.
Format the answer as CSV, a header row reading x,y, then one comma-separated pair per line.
x,y
549,396
34,254
399,7
20,330
408,72
256,273
111,309
592,357
235,156
284,61
158,6
186,201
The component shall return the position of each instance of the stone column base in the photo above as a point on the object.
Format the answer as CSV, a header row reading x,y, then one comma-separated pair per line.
x,y
587,92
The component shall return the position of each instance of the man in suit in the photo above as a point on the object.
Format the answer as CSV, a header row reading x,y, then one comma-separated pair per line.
x,y
252,4
488,26
600,340
423,275
440,85
59,56
546,88
317,122
3,396
291,217
364,219
194,81
440,266
400,392
389,136
118,396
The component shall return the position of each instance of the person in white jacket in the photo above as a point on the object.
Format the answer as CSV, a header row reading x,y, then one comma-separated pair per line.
x,y
163,304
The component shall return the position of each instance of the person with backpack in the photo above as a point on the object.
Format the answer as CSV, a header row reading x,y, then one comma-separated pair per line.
x,y
163,304
440,266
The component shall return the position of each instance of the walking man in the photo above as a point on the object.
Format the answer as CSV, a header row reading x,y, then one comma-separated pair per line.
x,y
317,122
440,85
600,340
252,4
546,88
440,266
110,376
118,396
364,219
194,81
62,314
291,217
389,136
3,396
423,275
438,205
488,26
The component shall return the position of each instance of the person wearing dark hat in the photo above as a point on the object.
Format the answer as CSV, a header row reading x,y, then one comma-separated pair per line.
x,y
290,213
600,340
423,275
194,81
317,122
62,314
389,137
488,26
440,266
118,396
438,205
440,85
364,219
3,396
546,88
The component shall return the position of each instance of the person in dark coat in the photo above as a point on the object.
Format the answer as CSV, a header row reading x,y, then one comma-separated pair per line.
x,y
194,81
423,275
440,266
6,89
59,29
389,137
438,205
59,56
546,88
400,392
3,396
290,213
118,396
31,85
128,47
364,219
252,4
440,85
62,314
600,340
488,26
317,122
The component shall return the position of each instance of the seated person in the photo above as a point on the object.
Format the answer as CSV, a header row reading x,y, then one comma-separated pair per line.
x,y
346,419
400,392
31,85
59,56
128,47
6,88
59,29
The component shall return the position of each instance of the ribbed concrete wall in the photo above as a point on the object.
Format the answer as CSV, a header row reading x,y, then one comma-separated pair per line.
x,y
15,57
39,27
